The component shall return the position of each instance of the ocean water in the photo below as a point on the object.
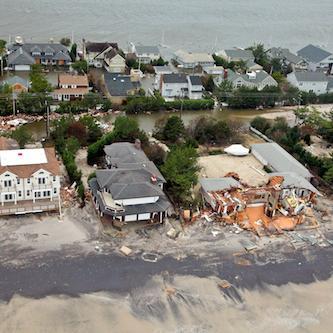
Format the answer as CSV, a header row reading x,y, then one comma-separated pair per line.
x,y
192,24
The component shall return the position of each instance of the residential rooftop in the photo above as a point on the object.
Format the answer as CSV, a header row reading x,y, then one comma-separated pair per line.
x,y
313,53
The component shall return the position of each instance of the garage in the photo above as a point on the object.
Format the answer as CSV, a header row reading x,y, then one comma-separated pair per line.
x,y
143,217
21,68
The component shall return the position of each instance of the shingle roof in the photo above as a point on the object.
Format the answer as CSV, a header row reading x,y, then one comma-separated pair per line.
x,y
141,49
174,78
284,54
16,79
119,85
311,76
279,159
313,53
240,54
195,80
98,47
218,184
79,80
20,57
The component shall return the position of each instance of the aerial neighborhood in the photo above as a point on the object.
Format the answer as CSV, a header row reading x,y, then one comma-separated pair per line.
x,y
240,138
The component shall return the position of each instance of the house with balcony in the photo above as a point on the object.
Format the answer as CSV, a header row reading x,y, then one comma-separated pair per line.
x,y
131,189
114,62
71,87
22,56
146,54
189,60
29,181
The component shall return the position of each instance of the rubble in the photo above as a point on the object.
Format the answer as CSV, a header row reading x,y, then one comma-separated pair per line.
x,y
125,250
283,203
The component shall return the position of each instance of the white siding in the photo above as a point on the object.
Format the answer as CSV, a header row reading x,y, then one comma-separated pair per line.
x,y
137,201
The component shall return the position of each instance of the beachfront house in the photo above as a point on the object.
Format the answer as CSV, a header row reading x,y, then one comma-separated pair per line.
x,y
190,60
114,62
316,58
17,85
175,86
159,72
22,56
71,87
94,52
236,55
287,58
29,181
131,189
146,54
316,82
257,79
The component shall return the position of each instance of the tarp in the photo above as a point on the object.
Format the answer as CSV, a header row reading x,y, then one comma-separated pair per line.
x,y
237,150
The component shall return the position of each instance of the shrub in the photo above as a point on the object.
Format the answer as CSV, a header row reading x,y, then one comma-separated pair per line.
x,y
261,124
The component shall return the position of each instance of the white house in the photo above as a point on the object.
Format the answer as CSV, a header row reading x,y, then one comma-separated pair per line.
x,y
214,70
29,181
131,189
191,60
71,87
236,55
159,72
114,62
94,52
146,54
256,79
316,82
316,57
181,86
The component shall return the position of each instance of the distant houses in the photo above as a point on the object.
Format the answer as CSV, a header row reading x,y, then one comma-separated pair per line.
x,y
94,52
146,53
71,87
287,58
22,56
236,55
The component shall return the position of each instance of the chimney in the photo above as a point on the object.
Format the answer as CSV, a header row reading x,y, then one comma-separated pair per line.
x,y
225,74
153,179
137,144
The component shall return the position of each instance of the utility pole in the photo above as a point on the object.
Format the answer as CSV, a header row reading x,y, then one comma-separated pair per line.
x,y
47,119
14,104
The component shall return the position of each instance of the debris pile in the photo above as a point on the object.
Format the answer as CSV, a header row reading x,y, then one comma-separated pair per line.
x,y
278,206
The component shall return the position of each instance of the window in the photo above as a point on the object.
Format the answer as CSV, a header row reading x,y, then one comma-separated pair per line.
x,y
46,193
55,190
28,193
28,181
8,197
41,181
7,183
20,193
54,178
37,195
18,181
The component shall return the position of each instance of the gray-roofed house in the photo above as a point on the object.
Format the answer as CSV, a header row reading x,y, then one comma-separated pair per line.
x,y
147,54
191,60
236,55
132,188
209,185
22,56
159,72
17,84
316,82
95,52
288,58
175,86
120,86
256,79
316,57
278,160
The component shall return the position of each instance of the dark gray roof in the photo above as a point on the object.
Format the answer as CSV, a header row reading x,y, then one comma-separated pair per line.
x,y
43,48
239,54
313,53
293,180
125,155
141,49
279,159
195,80
119,85
174,78
311,76
218,184
284,54
20,57
99,47
260,75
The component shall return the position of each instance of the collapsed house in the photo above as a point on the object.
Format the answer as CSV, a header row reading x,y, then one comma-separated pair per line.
x,y
279,205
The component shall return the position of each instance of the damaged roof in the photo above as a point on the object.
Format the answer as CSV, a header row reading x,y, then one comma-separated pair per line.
x,y
218,184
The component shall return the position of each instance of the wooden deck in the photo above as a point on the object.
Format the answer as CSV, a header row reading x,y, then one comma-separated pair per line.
x,y
28,206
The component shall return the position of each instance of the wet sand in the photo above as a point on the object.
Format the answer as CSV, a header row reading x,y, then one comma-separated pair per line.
x,y
182,304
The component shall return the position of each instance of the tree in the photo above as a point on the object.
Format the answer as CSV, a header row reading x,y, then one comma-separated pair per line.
x,y
155,153
174,129
2,52
180,171
208,83
80,66
91,100
22,136
78,130
73,52
279,77
65,41
223,90
39,83
261,124
260,54
127,129
106,105
94,131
